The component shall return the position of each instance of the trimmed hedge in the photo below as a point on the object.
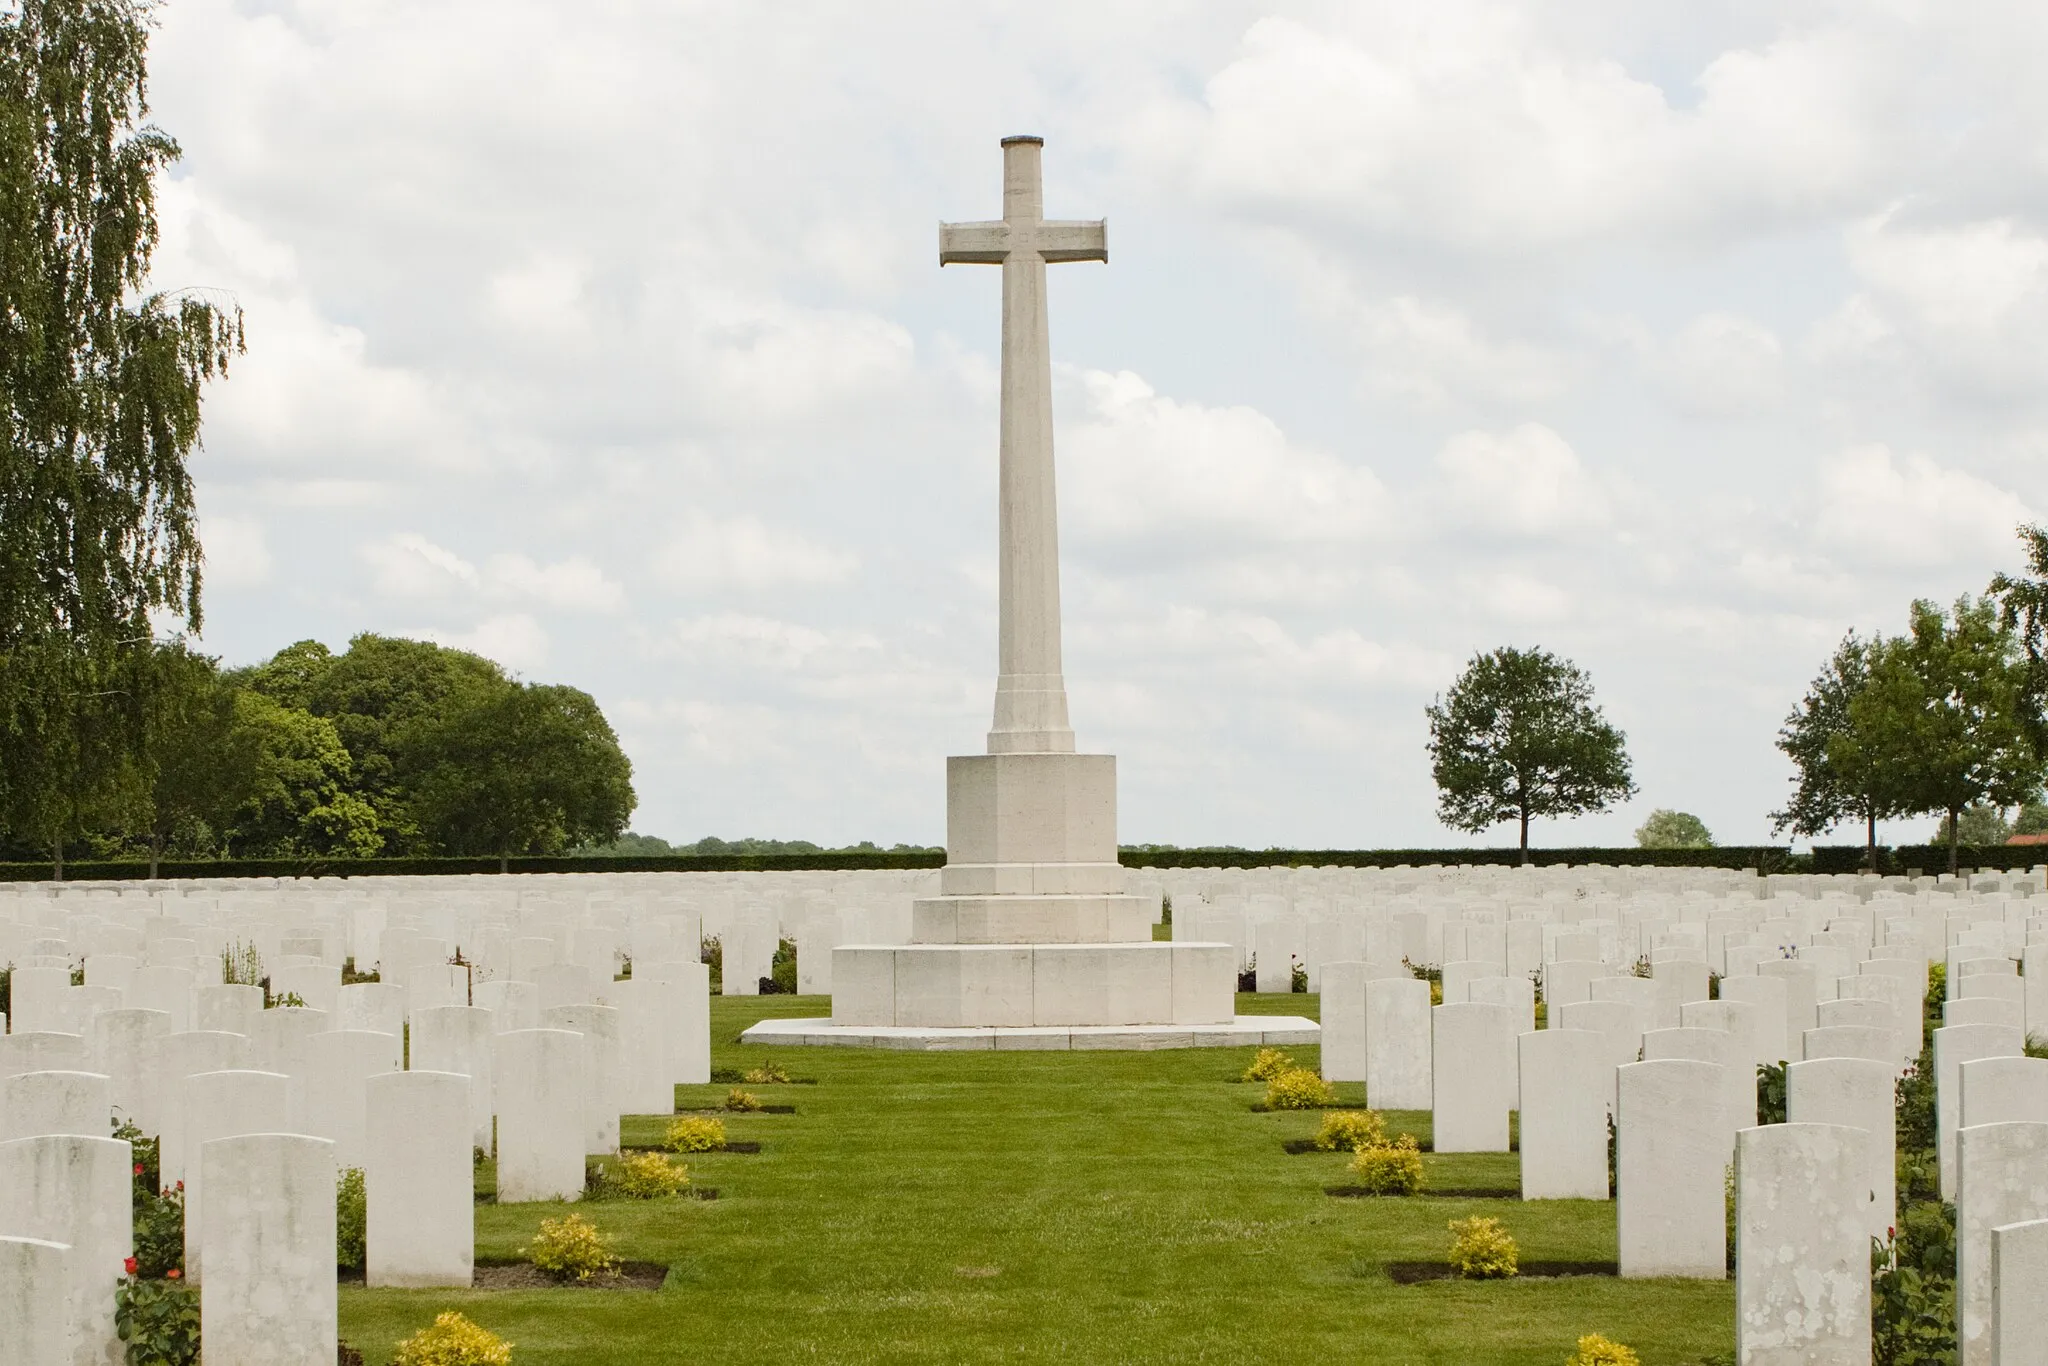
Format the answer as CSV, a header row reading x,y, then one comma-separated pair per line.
x,y
1764,858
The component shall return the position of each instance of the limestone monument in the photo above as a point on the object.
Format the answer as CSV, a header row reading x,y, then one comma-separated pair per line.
x,y
1033,940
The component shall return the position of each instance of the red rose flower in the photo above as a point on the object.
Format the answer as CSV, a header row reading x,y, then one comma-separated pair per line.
x,y
138,1169
181,1185
174,1273
129,1266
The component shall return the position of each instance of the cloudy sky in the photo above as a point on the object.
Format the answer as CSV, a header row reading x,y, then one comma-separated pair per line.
x,y
609,340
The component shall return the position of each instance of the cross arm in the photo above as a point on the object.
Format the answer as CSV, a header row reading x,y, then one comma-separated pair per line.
x,y
1073,239
985,244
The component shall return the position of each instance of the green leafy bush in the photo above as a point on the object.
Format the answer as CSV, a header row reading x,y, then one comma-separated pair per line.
x,y
736,1099
1912,1311
160,1233
1770,1093
696,1134
452,1340
767,1074
1482,1249
1346,1131
157,1320
1269,1063
351,1219
647,1176
1299,1089
571,1248
1389,1168
1595,1350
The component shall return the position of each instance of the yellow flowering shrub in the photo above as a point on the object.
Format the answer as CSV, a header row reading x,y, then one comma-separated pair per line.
x,y
1482,1250
1389,1168
1299,1089
737,1099
452,1340
696,1134
648,1176
572,1248
1346,1131
1595,1350
768,1073
1270,1063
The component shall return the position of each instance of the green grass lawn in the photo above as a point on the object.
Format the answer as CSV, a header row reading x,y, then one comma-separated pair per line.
x,y
1051,1207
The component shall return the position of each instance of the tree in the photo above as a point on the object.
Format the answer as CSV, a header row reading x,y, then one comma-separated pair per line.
x,y
526,769
2023,609
100,384
1946,706
99,380
386,696
301,804
1840,774
201,766
1979,826
1673,830
1518,736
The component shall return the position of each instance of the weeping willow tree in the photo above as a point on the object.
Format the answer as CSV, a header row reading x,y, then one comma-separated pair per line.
x,y
100,384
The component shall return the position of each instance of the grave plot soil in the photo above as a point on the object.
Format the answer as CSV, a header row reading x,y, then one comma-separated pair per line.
x,y
761,1110
527,1276
1135,1211
1414,1273
742,1148
1426,1193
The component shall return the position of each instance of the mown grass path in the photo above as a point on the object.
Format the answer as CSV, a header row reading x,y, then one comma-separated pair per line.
x,y
1051,1207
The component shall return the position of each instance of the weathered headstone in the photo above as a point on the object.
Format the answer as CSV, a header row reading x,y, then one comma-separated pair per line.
x,y
460,1039
2019,1309
222,1105
1343,1021
1802,1246
1724,1050
599,1026
1955,1045
54,1103
75,1190
1857,1093
36,1310
269,1295
2001,1178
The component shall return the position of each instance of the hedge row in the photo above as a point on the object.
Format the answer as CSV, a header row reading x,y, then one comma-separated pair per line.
x,y
1763,858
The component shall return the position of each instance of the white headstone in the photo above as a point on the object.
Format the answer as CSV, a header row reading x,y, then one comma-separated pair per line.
x,y
269,1295
460,1039
513,1004
1397,1044
541,1119
1671,1153
1472,1064
54,1103
1726,1051
1858,1093
1802,1245
75,1190
222,1105
1343,1021
1769,996
1955,1045
2003,1091
180,1056
2001,1178
599,1026
417,1177
1567,1087
35,1301
2019,1309
338,1065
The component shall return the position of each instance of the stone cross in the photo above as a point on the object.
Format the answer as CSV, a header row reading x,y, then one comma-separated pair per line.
x,y
1031,690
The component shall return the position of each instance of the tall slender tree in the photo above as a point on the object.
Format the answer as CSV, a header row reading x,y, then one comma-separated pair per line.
x,y
100,382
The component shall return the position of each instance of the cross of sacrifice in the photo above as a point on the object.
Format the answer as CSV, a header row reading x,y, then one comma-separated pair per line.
x,y
1031,690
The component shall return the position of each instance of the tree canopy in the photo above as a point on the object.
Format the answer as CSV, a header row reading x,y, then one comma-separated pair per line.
x,y
1517,737
1667,829
1840,773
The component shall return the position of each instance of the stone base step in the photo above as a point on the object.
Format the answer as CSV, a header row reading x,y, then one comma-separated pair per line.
x,y
1274,1031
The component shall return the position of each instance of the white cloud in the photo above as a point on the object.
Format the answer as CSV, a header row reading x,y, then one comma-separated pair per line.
x,y
1528,481
742,553
1142,464
574,584
1913,512
514,640
410,566
1722,365
237,552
